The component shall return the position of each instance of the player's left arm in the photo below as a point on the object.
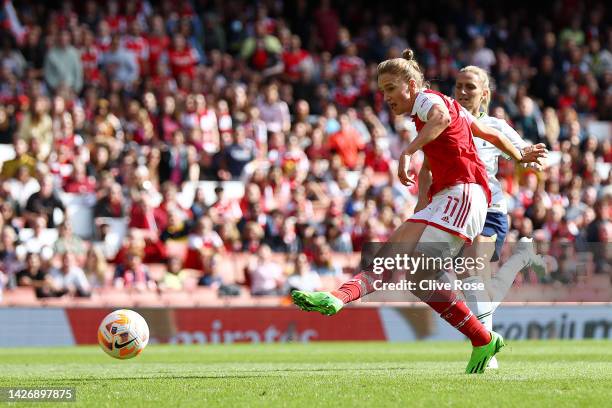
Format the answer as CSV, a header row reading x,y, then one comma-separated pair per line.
x,y
523,146
504,144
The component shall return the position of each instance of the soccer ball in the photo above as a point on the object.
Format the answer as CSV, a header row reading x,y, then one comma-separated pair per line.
x,y
123,334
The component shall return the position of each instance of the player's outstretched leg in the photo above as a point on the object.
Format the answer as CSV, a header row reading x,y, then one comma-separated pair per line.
x,y
524,255
322,302
330,303
483,354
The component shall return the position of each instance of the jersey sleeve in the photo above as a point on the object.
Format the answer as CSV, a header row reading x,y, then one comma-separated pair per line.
x,y
468,116
424,102
513,136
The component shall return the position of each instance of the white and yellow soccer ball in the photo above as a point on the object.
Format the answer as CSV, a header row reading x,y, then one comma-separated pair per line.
x,y
123,334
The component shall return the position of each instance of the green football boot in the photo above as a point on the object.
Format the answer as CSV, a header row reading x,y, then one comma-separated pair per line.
x,y
482,355
322,302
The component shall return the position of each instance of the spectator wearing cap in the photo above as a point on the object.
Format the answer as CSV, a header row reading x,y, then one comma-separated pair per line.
x,y
62,65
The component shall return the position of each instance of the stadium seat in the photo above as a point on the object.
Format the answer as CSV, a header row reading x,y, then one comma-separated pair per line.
x,y
116,298
20,297
79,209
176,299
204,297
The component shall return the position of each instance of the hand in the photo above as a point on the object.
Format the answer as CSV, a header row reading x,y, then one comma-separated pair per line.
x,y
537,166
533,153
403,170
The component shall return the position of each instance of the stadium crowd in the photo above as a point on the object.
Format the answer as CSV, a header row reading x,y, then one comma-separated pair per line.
x,y
135,103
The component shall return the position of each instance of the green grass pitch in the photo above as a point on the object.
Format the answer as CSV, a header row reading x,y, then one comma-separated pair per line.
x,y
544,373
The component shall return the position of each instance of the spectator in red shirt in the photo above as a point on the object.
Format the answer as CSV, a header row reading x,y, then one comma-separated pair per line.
x,y
347,143
79,182
182,57
295,59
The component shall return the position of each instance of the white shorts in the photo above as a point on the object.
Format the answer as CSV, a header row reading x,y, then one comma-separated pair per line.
x,y
460,210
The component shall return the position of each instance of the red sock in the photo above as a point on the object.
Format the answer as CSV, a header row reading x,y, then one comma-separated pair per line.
x,y
458,315
359,286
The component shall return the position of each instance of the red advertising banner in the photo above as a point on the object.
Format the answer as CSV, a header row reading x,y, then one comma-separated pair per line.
x,y
251,325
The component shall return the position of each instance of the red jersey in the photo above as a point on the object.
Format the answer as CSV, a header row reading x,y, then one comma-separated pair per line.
x,y
90,59
157,47
183,62
452,156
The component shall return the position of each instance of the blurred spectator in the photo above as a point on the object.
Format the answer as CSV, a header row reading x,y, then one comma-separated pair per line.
x,y
45,203
68,242
111,203
121,64
69,278
35,276
97,270
266,275
237,155
175,276
323,263
262,52
273,111
303,278
22,158
348,144
22,186
133,274
10,262
41,237
63,64
37,126
209,275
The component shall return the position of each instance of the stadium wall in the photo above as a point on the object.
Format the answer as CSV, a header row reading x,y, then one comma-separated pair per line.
x,y
70,326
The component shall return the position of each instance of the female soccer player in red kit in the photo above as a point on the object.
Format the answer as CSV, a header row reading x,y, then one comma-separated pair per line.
x,y
459,197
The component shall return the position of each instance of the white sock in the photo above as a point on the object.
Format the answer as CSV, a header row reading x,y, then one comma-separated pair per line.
x,y
504,278
479,302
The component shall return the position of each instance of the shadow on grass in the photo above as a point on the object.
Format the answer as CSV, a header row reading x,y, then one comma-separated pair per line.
x,y
243,374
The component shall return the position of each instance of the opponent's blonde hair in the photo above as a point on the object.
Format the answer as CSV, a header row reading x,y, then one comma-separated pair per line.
x,y
406,68
486,84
